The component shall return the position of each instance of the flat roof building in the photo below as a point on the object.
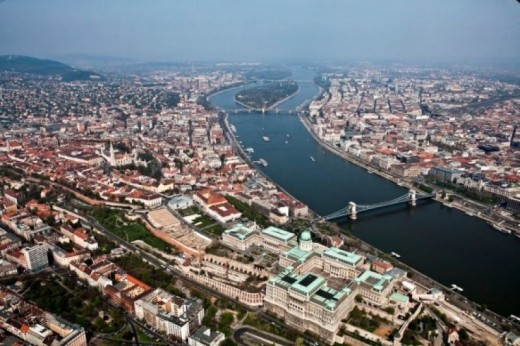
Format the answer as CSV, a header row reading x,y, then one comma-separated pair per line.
x,y
240,237
175,316
277,240
374,287
307,302
205,337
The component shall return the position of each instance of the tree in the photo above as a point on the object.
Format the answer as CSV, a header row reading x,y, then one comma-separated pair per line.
x,y
228,342
390,310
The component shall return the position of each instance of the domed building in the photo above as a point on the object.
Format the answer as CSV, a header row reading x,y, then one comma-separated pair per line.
x,y
305,241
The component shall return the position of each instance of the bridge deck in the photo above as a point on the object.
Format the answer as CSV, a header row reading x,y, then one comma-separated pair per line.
x,y
368,207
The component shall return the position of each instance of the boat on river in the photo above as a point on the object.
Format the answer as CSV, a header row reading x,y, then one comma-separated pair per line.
x,y
456,288
499,227
265,138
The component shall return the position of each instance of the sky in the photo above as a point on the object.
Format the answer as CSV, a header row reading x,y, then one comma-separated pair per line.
x,y
264,30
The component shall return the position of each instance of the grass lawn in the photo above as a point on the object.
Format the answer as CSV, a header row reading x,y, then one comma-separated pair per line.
x,y
143,337
189,211
114,221
216,229
203,221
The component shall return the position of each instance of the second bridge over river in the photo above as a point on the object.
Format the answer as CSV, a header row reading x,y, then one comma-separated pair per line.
x,y
353,209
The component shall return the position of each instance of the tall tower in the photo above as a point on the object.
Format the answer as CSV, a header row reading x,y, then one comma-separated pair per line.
x,y
515,142
112,154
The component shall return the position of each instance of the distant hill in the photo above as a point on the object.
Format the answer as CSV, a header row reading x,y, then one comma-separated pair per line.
x,y
25,64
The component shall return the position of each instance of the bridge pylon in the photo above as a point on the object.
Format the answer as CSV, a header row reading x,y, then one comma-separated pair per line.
x,y
352,210
412,198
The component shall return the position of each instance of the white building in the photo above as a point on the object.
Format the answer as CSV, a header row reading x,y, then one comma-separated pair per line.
x,y
175,316
374,288
180,202
241,237
306,302
36,257
205,337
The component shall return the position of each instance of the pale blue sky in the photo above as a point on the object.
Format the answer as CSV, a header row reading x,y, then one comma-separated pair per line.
x,y
263,30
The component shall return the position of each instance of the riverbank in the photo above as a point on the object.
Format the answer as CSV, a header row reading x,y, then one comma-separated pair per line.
x,y
425,281
353,242
470,207
227,88
403,230
230,135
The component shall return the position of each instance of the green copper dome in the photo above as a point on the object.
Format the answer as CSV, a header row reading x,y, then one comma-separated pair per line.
x,y
305,236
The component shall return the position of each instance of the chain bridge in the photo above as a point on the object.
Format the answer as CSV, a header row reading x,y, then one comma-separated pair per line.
x,y
353,209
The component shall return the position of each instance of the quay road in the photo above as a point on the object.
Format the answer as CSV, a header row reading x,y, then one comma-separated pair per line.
x,y
259,335
469,206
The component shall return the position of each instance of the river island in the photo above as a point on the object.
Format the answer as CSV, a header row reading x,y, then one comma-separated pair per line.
x,y
266,96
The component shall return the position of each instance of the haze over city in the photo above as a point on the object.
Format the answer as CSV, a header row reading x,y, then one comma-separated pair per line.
x,y
463,31
238,172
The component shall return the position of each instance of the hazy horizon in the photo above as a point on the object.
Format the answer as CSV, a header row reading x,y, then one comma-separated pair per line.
x,y
461,31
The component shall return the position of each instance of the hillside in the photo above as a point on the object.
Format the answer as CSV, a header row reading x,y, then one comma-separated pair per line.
x,y
25,64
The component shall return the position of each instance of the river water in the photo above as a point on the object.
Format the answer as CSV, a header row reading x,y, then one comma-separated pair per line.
x,y
444,243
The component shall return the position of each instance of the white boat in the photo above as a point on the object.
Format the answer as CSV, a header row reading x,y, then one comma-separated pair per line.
x,y
249,150
265,138
456,288
262,162
499,227
286,142
233,128
395,254
288,135
312,159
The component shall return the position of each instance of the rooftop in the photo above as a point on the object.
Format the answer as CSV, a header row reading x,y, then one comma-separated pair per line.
x,y
307,284
377,281
297,254
305,236
399,297
314,287
180,199
342,256
239,231
279,234
205,335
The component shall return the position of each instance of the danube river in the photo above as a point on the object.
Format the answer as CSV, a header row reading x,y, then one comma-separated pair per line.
x,y
444,243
